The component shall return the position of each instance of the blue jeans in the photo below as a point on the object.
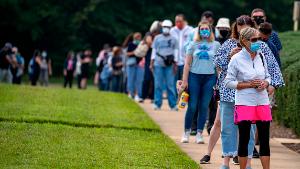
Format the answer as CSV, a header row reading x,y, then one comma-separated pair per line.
x,y
131,79
229,131
139,80
116,83
200,88
162,74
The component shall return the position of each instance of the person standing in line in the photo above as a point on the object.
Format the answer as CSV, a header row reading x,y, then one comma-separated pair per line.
x,y
227,96
207,16
5,61
86,61
78,68
148,83
101,61
69,69
248,75
223,27
116,66
132,67
34,67
265,31
46,69
163,65
17,66
199,77
180,31
258,16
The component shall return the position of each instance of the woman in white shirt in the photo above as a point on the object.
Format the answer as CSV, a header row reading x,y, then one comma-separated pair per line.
x,y
248,74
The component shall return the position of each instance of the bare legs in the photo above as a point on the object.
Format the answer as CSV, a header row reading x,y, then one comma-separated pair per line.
x,y
214,133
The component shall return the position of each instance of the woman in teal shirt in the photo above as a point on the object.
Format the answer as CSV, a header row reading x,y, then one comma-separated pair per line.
x,y
199,77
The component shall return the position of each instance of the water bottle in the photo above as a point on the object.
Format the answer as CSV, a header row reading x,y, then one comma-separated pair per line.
x,y
184,99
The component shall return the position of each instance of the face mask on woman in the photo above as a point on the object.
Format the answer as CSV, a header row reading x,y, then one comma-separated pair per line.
x,y
136,42
204,33
254,46
165,30
224,33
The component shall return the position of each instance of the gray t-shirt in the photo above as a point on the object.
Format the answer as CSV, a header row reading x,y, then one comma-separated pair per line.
x,y
163,45
203,54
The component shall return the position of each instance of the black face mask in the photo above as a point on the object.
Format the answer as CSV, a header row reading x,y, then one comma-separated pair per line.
x,y
224,33
258,20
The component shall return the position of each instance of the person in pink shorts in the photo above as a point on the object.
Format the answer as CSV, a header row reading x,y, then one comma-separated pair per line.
x,y
248,74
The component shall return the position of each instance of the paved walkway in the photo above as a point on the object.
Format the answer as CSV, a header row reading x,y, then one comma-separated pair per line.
x,y
171,124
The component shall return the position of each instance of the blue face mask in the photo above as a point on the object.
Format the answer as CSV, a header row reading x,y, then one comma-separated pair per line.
x,y
254,46
204,33
136,42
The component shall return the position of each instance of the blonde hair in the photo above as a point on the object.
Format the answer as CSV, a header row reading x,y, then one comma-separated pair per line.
x,y
197,36
246,33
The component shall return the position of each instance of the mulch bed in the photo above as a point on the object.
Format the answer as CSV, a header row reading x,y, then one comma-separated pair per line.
x,y
280,131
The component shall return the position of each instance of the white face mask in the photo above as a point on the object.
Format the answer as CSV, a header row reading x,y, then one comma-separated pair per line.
x,y
165,30
44,54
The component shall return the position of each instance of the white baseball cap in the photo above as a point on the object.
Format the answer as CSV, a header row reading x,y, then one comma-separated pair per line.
x,y
223,22
167,23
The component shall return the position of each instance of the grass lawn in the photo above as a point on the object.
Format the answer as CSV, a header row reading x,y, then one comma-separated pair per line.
x,y
71,106
57,128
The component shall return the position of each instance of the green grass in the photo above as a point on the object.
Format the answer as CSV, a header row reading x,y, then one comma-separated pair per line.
x,y
57,128
71,106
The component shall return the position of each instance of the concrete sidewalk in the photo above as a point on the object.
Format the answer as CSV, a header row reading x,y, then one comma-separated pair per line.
x,y
171,124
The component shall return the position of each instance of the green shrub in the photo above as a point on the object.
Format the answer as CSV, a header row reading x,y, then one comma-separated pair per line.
x,y
288,97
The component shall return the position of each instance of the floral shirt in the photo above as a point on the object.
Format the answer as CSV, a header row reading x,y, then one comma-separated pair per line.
x,y
222,61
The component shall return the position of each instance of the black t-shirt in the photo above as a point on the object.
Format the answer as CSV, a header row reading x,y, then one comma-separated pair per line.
x,y
4,64
114,61
131,47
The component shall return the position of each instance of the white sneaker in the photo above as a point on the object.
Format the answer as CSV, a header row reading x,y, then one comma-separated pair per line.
x,y
138,99
199,138
185,137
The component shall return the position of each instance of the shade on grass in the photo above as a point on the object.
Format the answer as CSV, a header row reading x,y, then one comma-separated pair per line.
x,y
71,106
26,145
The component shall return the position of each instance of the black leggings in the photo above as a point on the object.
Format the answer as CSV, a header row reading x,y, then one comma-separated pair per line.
x,y
263,129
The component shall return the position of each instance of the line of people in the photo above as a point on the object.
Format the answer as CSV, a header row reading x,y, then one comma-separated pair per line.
x,y
12,66
230,71
246,66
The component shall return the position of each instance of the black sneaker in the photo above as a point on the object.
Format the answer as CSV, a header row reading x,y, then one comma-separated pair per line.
x,y
255,153
205,160
235,160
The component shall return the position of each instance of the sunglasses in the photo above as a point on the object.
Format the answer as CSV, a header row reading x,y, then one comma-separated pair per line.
x,y
258,17
255,39
204,29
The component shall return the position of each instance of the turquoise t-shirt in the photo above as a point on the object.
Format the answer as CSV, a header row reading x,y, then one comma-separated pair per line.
x,y
203,55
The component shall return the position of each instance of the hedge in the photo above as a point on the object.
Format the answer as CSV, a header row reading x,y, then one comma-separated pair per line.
x,y
288,97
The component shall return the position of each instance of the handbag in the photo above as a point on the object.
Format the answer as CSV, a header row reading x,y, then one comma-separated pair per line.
x,y
168,60
141,50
